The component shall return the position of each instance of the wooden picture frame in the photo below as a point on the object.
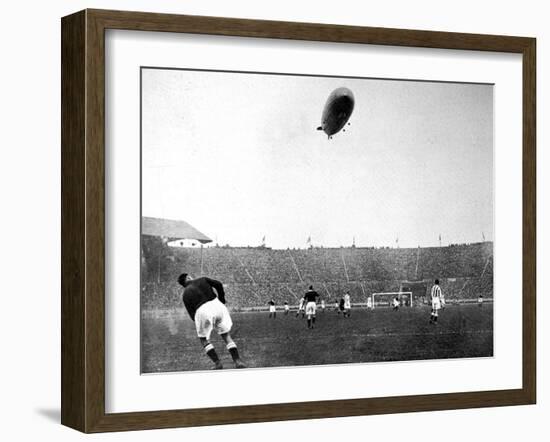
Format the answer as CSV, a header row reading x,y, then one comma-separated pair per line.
x,y
83,220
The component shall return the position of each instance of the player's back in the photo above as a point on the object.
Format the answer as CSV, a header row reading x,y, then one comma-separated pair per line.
x,y
311,296
436,291
196,293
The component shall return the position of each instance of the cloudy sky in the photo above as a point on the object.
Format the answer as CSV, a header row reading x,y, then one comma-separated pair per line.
x,y
237,156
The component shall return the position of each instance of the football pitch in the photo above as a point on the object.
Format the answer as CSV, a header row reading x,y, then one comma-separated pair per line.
x,y
170,343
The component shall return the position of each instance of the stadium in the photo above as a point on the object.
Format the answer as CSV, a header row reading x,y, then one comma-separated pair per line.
x,y
373,172
252,276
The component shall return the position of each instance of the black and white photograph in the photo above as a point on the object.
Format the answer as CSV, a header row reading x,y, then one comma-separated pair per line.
x,y
302,220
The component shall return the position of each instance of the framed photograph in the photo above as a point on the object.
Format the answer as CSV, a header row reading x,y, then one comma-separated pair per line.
x,y
267,220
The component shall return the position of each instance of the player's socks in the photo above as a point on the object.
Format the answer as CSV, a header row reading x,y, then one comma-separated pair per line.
x,y
211,353
232,348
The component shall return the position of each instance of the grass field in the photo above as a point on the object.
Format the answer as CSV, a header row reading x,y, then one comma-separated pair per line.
x,y
170,343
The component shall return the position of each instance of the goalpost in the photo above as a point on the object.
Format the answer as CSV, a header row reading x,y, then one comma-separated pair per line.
x,y
386,299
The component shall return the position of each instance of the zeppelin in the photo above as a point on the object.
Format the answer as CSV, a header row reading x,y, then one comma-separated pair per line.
x,y
337,111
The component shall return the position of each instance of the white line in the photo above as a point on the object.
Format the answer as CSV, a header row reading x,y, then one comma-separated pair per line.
x,y
295,266
345,267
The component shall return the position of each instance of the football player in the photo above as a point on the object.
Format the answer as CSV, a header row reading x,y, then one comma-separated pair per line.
x,y
301,307
209,312
347,305
272,309
311,306
395,303
437,301
287,308
369,303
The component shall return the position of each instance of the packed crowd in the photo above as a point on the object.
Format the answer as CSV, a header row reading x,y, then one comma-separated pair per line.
x,y
253,276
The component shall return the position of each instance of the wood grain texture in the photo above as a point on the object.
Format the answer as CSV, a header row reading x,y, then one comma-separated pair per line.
x,y
95,222
529,221
145,21
83,220
73,257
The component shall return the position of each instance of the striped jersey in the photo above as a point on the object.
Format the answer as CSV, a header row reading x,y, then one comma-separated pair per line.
x,y
436,291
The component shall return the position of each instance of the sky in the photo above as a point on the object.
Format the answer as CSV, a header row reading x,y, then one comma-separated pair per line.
x,y
238,156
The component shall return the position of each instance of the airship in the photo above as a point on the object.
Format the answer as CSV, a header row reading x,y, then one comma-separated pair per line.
x,y
337,111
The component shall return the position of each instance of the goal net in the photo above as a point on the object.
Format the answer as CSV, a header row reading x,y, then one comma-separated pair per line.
x,y
385,299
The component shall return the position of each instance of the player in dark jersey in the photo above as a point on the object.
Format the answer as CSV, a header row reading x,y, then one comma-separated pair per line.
x,y
310,298
341,306
209,312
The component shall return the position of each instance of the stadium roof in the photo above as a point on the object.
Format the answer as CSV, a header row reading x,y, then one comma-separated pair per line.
x,y
173,229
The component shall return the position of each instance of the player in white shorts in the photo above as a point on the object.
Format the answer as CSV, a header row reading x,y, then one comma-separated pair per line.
x,y
369,303
480,301
347,305
395,303
209,313
301,307
287,308
311,306
272,309
437,301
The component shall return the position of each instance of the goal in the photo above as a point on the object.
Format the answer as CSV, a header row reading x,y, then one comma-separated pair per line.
x,y
385,299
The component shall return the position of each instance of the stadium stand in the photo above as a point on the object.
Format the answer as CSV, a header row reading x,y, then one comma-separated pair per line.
x,y
254,275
